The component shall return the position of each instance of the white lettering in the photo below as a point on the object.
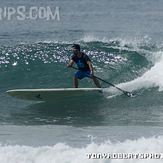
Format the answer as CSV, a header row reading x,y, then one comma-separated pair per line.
x,y
21,13
33,13
11,11
50,14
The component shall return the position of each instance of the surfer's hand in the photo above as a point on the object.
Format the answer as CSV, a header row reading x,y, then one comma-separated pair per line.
x,y
91,73
68,65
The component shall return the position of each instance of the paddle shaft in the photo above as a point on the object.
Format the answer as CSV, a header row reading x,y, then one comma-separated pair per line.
x,y
125,92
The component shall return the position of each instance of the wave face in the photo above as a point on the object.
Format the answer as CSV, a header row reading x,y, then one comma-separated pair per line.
x,y
43,64
40,62
132,65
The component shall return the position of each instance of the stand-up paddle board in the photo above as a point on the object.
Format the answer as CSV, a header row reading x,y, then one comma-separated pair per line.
x,y
52,94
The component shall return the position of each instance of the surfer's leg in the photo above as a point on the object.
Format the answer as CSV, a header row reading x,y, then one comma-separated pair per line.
x,y
78,75
97,83
75,82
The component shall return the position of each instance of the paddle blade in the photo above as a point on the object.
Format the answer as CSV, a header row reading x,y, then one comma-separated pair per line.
x,y
129,94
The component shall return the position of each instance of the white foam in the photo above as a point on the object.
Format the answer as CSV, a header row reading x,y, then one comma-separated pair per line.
x,y
151,78
92,37
62,153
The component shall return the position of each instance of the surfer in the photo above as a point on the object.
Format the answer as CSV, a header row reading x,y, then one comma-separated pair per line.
x,y
85,68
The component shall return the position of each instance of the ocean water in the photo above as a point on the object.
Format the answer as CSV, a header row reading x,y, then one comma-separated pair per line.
x,y
124,41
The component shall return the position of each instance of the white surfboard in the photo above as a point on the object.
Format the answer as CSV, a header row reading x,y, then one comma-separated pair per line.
x,y
53,94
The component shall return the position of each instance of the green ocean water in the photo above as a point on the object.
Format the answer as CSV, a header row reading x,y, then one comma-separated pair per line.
x,y
43,65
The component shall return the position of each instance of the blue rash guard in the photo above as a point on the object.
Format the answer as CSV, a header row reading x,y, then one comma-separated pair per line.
x,y
83,67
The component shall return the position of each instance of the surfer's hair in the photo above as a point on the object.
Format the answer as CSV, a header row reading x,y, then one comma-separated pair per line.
x,y
76,46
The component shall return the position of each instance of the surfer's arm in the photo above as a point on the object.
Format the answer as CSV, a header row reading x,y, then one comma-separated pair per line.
x,y
70,64
90,67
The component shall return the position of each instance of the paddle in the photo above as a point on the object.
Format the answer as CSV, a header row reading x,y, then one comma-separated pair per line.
x,y
129,94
